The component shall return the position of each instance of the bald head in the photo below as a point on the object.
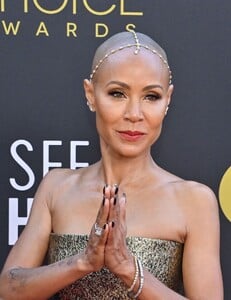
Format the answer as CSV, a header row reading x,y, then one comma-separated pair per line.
x,y
123,40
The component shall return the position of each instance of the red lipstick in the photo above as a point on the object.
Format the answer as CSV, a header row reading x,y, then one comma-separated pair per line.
x,y
131,136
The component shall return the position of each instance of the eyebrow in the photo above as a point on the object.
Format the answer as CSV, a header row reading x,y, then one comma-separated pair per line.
x,y
148,87
152,86
119,83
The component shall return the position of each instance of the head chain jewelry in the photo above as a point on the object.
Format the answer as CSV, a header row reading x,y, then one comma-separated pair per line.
x,y
138,45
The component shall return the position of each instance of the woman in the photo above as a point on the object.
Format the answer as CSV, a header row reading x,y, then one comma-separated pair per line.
x,y
147,227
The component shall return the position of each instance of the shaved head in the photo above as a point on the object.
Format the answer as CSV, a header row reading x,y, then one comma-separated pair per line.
x,y
127,39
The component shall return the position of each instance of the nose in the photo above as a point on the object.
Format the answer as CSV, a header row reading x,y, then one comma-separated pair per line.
x,y
133,111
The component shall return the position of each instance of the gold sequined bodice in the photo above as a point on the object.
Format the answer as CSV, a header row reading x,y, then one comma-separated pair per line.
x,y
162,258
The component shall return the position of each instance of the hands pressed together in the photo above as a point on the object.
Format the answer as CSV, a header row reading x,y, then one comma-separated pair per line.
x,y
107,240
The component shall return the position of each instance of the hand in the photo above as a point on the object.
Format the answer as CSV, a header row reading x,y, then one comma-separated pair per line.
x,y
94,252
118,259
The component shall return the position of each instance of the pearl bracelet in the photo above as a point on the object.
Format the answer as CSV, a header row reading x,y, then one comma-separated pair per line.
x,y
139,273
135,278
141,277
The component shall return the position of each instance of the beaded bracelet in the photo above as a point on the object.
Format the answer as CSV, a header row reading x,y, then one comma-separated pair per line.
x,y
135,278
141,277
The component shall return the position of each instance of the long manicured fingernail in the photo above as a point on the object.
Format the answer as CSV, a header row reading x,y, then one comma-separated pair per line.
x,y
114,200
116,189
104,188
112,224
103,201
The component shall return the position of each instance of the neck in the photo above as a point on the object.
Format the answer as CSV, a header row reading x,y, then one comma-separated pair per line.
x,y
116,169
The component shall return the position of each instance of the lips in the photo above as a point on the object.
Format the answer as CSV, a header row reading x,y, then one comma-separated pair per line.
x,y
132,133
131,136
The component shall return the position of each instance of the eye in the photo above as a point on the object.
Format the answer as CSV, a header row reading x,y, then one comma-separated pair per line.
x,y
152,97
117,94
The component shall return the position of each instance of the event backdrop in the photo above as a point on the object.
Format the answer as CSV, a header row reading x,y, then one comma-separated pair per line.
x,y
46,49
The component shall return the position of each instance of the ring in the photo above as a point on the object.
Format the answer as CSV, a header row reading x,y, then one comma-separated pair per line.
x,y
98,230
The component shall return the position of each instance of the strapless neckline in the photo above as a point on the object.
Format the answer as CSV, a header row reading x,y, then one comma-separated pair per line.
x,y
130,237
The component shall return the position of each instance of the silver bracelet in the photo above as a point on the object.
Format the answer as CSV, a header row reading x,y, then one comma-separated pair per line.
x,y
135,278
141,277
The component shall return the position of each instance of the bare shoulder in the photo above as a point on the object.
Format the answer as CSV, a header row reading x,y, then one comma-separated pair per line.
x,y
189,191
57,178
200,207
194,198
63,184
58,175
53,183
195,193
63,175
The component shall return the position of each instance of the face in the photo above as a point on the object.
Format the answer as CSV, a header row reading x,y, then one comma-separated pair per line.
x,y
130,94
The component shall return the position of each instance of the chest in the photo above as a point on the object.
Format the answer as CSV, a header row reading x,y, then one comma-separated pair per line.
x,y
150,215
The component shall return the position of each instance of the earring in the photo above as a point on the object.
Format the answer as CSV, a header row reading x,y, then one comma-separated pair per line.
x,y
166,110
90,107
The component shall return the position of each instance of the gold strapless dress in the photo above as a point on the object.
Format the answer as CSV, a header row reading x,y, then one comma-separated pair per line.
x,y
162,258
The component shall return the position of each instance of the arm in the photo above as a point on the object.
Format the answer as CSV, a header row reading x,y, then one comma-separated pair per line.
x,y
22,276
201,261
201,266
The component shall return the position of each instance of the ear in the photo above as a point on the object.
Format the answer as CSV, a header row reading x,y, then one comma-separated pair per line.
x,y
169,93
89,93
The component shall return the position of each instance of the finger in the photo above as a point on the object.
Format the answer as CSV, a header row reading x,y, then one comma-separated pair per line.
x,y
98,241
99,230
103,233
114,209
102,216
103,213
104,236
122,220
117,215
113,202
111,228
114,190
107,191
123,201
110,203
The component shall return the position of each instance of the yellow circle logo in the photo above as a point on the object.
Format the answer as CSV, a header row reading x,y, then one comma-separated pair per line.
x,y
225,194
